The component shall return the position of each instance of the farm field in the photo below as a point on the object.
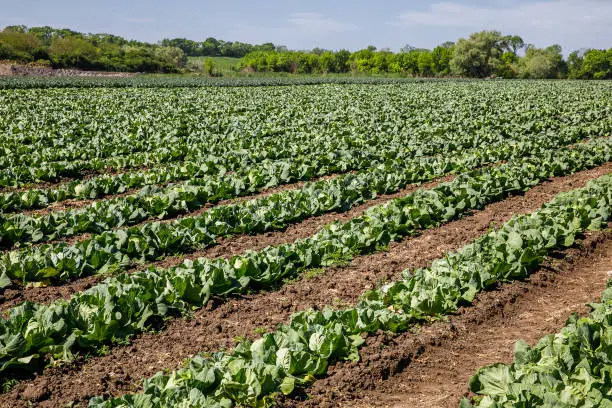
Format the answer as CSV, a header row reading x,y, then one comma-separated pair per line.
x,y
364,242
222,65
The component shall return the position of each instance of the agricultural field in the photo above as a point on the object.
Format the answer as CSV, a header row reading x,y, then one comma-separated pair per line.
x,y
175,242
220,65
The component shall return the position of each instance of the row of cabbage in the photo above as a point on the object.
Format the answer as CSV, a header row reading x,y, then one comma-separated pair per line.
x,y
127,303
174,159
167,81
73,126
61,133
294,354
319,158
152,202
179,158
121,248
571,368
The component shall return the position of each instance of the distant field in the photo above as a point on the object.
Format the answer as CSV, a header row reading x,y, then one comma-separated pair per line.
x,y
224,65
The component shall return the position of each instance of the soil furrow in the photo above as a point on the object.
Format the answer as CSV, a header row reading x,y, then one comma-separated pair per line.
x,y
431,368
225,247
74,204
215,326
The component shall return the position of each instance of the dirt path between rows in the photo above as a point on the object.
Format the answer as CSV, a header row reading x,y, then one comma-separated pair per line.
x,y
225,247
214,327
431,369
73,204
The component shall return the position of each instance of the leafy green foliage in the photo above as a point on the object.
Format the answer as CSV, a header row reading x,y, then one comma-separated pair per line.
x,y
571,368
591,64
184,134
65,48
123,305
295,353
152,240
150,202
480,55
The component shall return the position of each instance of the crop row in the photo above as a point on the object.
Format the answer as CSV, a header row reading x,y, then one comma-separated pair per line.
x,y
325,155
572,368
294,354
222,150
182,198
125,304
163,159
149,81
120,248
102,129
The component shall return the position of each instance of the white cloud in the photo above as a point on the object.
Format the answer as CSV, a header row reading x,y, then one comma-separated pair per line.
x,y
545,14
318,23
572,23
297,31
139,20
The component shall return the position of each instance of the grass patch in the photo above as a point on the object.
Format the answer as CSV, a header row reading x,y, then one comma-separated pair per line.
x,y
223,65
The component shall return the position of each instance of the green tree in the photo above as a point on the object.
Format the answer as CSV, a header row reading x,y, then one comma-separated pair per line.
x,y
479,55
409,62
597,64
574,63
425,63
210,47
319,51
209,67
542,62
379,62
441,56
362,60
171,56
240,49
19,45
515,43
264,47
72,52
189,47
327,62
342,61
539,66
44,34
408,48
507,67
282,48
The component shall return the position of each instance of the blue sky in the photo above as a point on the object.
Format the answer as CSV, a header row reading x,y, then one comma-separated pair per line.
x,y
328,24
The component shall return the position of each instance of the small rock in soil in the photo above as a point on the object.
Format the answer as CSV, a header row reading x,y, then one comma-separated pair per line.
x,y
36,393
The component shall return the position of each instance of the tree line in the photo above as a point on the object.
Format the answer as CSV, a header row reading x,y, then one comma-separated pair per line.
x,y
482,54
65,48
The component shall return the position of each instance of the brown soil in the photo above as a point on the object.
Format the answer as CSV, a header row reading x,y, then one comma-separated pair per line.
x,y
8,68
214,327
432,367
226,247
